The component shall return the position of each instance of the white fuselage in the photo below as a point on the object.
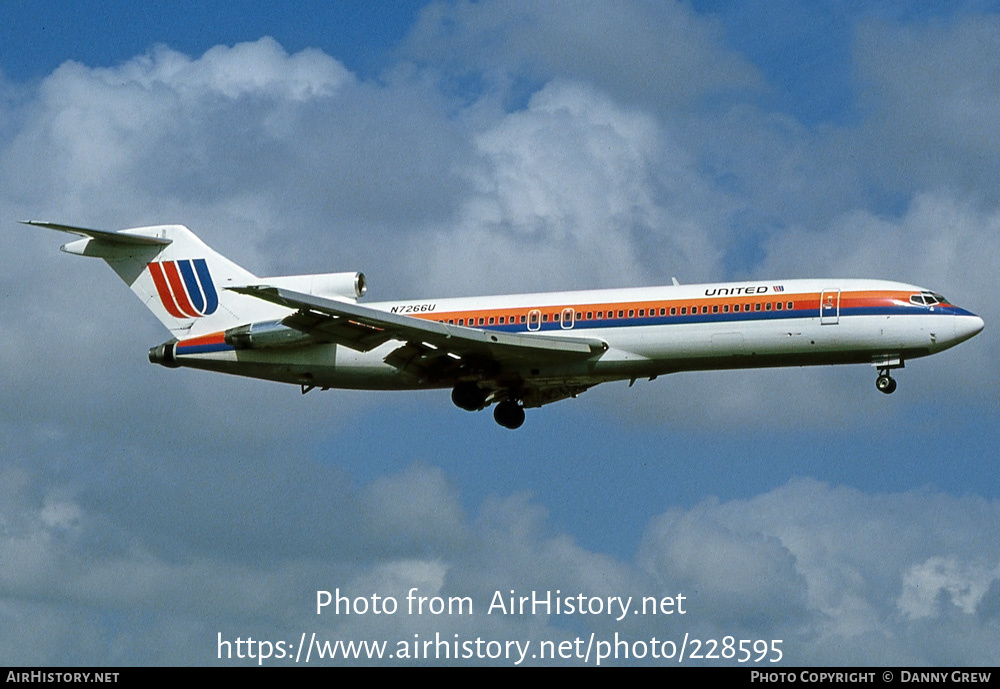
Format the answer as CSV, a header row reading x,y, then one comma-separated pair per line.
x,y
648,332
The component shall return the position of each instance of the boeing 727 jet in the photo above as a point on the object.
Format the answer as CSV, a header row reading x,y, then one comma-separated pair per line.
x,y
515,351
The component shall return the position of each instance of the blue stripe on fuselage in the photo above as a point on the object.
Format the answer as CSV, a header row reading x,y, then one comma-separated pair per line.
x,y
556,326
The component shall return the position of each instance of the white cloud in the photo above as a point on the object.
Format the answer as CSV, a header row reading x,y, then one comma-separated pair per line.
x,y
840,575
828,566
575,191
257,69
935,583
933,98
641,52
113,142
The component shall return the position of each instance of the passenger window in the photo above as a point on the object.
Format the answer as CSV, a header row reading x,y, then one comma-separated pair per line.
x,y
715,309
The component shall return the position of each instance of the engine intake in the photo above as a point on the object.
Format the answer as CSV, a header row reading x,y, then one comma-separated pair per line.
x,y
335,285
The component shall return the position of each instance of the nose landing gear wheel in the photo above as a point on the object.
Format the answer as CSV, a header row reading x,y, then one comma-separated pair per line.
x,y
885,383
509,414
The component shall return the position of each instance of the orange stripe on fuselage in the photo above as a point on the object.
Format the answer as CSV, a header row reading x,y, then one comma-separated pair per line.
x,y
213,338
801,302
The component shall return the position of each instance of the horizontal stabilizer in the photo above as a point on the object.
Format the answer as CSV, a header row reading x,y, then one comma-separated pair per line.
x,y
121,238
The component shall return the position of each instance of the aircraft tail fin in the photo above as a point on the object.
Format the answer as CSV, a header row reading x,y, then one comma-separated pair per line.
x,y
176,275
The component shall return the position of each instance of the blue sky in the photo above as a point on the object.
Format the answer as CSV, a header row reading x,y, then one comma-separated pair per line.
x,y
476,148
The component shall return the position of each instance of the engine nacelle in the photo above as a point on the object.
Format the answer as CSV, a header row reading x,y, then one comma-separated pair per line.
x,y
265,334
330,285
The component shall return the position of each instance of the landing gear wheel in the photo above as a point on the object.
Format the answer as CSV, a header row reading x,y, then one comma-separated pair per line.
x,y
468,396
885,383
509,414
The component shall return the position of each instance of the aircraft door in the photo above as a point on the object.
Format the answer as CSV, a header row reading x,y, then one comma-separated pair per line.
x,y
568,318
829,307
534,319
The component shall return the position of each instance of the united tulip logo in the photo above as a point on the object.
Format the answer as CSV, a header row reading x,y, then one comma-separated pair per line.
x,y
185,287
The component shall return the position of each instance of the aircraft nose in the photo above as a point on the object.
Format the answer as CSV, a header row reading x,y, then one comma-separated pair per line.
x,y
967,326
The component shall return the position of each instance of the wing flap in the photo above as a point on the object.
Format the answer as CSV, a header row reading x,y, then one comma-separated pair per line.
x,y
343,331
424,362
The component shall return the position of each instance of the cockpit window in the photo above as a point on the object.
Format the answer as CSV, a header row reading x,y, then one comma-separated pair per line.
x,y
927,299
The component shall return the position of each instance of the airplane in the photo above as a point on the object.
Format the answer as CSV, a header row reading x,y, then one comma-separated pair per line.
x,y
514,351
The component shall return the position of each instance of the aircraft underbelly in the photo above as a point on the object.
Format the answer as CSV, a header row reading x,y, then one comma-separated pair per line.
x,y
797,342
325,365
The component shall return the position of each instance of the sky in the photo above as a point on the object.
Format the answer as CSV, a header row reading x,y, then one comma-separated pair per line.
x,y
458,149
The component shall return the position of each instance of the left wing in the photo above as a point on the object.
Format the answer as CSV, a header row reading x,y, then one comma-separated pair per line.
x,y
430,348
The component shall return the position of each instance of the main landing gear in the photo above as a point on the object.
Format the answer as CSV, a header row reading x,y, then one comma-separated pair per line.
x,y
469,396
508,413
885,383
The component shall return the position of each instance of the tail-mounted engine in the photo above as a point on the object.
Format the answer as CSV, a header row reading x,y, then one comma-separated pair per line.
x,y
330,285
